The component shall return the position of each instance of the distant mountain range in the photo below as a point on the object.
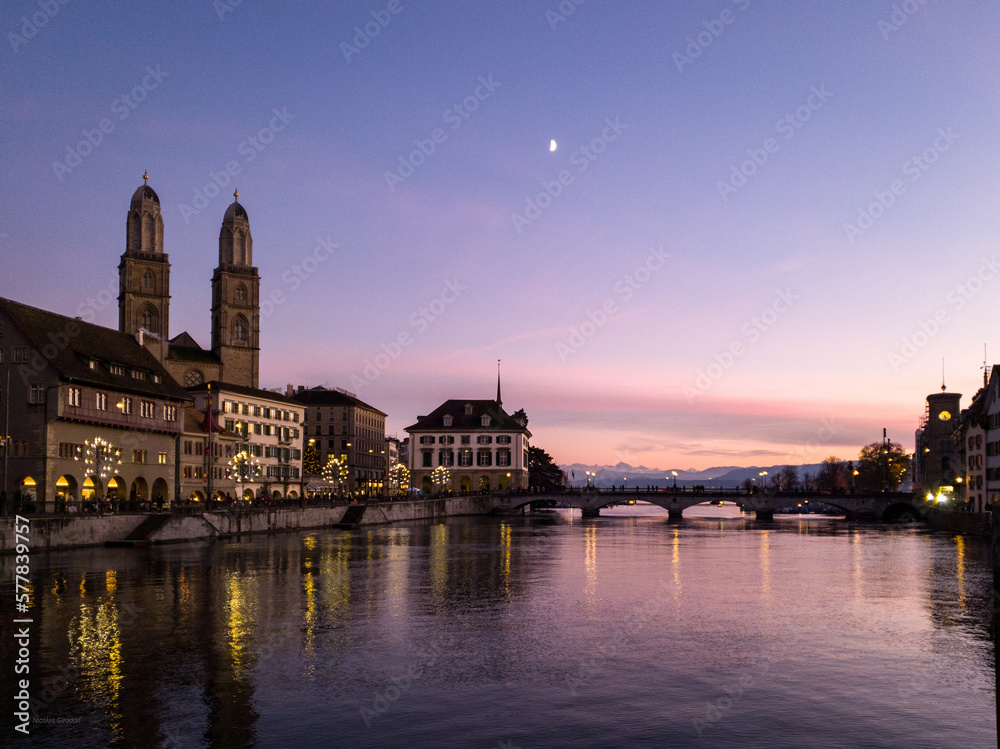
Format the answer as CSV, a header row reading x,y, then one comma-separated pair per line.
x,y
629,475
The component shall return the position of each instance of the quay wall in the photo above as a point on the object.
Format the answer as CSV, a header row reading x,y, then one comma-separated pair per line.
x,y
68,531
974,523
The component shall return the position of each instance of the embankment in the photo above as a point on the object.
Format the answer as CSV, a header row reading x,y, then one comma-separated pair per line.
x,y
69,531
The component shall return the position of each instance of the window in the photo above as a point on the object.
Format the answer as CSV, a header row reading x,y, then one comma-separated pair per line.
x,y
468,409
102,401
319,429
74,396
344,444
448,420
427,440
331,444
170,413
484,439
116,369
503,439
241,293
240,332
187,472
466,439
36,394
485,420
147,409
162,459
138,374
426,457
147,319
446,439
484,458
503,458
446,458
138,456
20,354
230,425
227,407
187,448
147,280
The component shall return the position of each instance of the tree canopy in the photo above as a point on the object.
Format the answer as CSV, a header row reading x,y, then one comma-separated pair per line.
x,y
882,465
543,473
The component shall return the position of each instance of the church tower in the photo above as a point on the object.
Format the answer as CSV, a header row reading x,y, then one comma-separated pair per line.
x,y
236,301
144,274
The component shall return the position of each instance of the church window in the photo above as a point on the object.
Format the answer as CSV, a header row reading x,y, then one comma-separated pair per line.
x,y
147,280
193,377
241,293
240,331
147,319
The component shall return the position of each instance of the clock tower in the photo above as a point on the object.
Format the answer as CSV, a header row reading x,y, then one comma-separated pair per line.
x,y
936,462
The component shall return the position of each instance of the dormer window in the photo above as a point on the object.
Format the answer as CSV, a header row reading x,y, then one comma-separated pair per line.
x,y
468,409
448,420
486,420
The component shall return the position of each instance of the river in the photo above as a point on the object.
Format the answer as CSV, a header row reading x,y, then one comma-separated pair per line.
x,y
544,630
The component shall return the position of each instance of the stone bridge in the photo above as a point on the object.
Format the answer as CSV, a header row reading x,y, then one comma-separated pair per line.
x,y
884,506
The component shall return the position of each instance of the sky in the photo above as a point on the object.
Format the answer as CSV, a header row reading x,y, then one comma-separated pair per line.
x,y
764,230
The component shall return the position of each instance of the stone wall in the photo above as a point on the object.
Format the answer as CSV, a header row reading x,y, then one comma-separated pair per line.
x,y
68,532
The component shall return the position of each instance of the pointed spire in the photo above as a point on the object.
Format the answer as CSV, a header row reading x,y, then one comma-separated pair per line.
x,y
943,388
499,402
145,176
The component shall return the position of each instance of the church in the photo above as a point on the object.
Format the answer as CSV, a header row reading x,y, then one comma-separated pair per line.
x,y
91,413
144,298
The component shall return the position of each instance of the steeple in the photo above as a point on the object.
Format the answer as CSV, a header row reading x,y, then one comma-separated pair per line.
x,y
144,273
499,401
236,300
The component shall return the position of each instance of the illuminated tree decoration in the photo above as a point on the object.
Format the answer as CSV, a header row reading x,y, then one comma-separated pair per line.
x,y
100,457
310,459
440,478
399,477
335,471
243,468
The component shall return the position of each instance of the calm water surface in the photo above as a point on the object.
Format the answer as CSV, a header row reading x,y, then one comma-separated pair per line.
x,y
537,631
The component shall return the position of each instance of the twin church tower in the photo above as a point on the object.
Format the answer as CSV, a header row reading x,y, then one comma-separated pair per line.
x,y
144,298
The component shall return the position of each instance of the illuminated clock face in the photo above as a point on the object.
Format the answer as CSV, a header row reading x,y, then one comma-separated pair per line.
x,y
944,415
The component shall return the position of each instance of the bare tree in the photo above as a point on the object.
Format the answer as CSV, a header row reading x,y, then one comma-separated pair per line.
x,y
789,478
832,475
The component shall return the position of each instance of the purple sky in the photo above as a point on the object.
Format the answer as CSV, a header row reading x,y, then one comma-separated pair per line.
x,y
657,310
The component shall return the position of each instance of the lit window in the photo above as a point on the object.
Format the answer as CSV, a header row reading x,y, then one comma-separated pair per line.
x,y
102,401
74,396
162,459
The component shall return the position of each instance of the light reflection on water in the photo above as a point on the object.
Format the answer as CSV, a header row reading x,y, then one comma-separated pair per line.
x,y
543,631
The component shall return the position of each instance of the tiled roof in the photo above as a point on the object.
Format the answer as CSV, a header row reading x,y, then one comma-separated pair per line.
x,y
321,396
227,387
500,420
73,344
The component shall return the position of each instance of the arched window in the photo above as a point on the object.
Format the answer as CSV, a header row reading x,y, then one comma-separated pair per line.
x,y
147,280
241,292
147,234
241,333
147,319
193,377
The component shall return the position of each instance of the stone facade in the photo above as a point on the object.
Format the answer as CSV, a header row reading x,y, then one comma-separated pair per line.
x,y
68,386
